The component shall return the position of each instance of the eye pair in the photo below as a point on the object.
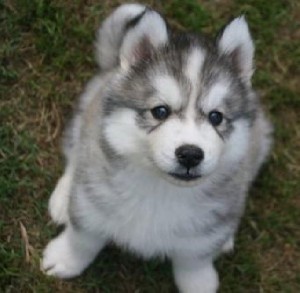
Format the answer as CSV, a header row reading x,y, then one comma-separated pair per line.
x,y
163,112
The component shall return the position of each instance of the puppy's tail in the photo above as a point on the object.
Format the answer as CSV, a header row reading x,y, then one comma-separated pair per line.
x,y
110,35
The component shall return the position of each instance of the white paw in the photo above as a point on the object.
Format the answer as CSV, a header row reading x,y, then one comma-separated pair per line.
x,y
192,276
59,200
200,284
61,260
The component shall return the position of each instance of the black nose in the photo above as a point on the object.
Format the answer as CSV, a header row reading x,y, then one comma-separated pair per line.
x,y
189,155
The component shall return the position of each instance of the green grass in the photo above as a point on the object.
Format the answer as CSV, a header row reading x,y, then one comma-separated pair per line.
x,y
46,56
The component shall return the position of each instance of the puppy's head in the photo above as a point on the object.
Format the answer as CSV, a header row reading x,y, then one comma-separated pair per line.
x,y
182,105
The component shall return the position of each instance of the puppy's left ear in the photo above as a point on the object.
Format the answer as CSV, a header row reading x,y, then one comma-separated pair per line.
x,y
236,43
147,33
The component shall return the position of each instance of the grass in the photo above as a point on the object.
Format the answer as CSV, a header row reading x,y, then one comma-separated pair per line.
x,y
46,56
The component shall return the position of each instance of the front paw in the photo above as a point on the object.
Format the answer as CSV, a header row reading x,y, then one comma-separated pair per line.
x,y
194,276
60,260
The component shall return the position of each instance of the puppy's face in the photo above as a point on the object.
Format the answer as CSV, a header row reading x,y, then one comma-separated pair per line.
x,y
184,112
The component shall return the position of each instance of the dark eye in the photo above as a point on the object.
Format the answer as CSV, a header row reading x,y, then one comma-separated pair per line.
x,y
215,118
160,112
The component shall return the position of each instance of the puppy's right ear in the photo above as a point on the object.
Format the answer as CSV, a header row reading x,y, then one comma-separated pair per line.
x,y
145,34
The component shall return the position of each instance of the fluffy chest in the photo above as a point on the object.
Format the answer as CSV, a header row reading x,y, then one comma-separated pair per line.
x,y
154,217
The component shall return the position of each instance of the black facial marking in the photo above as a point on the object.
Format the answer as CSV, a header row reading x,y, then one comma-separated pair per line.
x,y
185,176
155,127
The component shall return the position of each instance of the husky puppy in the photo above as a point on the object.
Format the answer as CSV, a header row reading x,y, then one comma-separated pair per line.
x,y
162,150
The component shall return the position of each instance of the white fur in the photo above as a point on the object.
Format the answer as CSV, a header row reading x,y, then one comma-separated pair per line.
x,y
152,30
214,98
112,30
70,253
236,36
228,245
194,275
121,132
128,139
168,92
238,143
142,196
194,65
192,71
59,200
175,133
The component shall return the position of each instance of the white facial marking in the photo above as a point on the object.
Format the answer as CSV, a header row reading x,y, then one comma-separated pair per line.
x,y
194,65
175,133
238,144
122,132
212,146
215,96
168,91
192,71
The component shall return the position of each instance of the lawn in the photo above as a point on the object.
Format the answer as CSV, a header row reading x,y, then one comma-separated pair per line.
x,y
46,52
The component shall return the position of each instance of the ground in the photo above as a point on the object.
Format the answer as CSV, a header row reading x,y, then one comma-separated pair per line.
x,y
46,56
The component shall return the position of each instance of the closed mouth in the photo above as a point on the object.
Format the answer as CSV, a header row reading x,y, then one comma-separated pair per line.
x,y
185,176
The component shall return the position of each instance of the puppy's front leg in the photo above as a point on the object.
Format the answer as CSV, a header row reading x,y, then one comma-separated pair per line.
x,y
195,275
59,200
71,252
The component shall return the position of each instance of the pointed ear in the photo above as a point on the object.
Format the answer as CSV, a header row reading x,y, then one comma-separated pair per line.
x,y
236,43
145,34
